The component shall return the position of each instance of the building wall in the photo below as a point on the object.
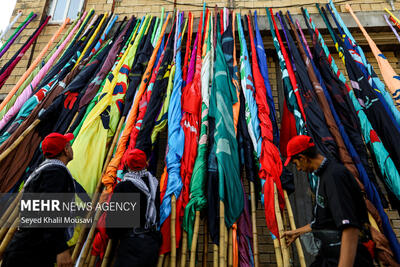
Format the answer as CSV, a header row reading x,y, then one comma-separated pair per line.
x,y
142,7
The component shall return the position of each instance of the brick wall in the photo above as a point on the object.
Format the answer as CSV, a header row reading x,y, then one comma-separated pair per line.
x,y
142,7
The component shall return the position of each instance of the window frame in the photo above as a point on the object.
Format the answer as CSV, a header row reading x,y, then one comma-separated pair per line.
x,y
53,9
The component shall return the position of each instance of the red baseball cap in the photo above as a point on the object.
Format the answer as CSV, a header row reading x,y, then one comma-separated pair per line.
x,y
54,143
296,145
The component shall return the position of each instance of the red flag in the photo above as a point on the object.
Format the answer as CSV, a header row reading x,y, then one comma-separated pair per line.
x,y
288,128
270,160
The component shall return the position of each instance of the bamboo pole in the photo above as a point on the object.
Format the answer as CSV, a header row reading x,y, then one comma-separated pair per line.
x,y
167,260
89,240
285,252
160,260
173,234
79,243
73,120
278,253
221,233
230,248
19,140
10,209
8,237
183,249
86,262
254,224
193,246
205,244
226,245
107,253
92,260
299,248
9,223
215,260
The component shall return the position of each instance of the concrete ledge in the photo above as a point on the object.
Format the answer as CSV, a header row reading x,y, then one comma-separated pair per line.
x,y
370,19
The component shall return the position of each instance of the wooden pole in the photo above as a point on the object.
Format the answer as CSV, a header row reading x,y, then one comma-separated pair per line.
x,y
216,253
193,246
254,224
278,252
73,120
285,251
79,243
10,209
9,223
167,260
8,237
160,260
205,245
221,234
173,234
107,254
19,140
226,245
215,260
230,248
92,260
184,249
96,196
89,239
299,248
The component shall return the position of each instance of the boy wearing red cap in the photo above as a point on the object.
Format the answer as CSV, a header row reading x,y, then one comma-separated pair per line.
x,y
340,214
40,246
139,246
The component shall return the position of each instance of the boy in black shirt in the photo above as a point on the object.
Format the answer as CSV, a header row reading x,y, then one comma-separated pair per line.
x,y
340,213
138,246
45,246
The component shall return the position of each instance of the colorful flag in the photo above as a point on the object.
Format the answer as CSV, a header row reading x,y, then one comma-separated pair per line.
x,y
198,200
388,101
253,123
222,97
304,62
16,33
191,102
100,125
391,78
370,136
108,178
9,67
56,50
14,165
263,66
391,27
270,161
176,141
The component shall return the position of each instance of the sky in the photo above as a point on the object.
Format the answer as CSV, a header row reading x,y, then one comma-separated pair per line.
x,y
7,7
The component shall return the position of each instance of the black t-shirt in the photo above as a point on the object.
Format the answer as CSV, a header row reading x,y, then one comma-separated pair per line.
x,y
339,200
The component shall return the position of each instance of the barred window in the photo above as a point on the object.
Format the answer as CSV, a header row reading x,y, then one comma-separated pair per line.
x,y
62,9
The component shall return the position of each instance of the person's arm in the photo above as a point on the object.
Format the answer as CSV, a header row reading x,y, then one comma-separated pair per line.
x,y
64,259
291,236
348,248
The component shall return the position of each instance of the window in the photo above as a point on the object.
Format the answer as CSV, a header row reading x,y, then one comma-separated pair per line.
x,y
62,9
